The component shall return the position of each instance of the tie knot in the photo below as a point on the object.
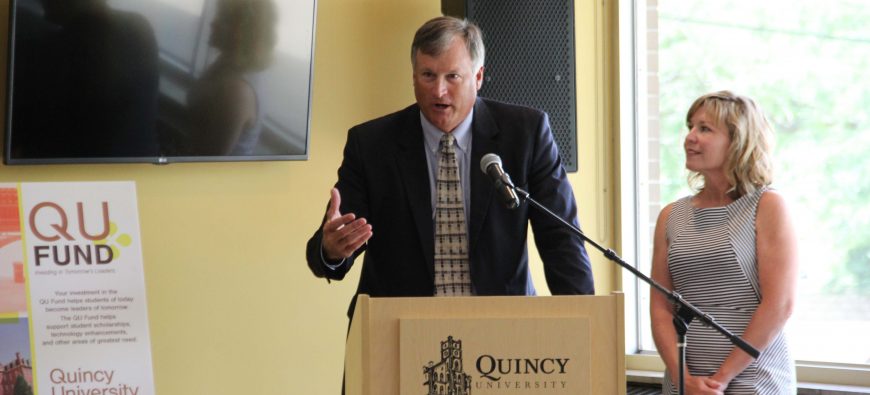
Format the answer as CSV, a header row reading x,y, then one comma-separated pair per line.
x,y
447,142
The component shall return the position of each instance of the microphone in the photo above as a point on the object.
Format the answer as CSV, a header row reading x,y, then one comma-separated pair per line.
x,y
491,165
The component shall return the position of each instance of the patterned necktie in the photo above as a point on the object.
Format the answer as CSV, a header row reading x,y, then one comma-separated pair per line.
x,y
452,277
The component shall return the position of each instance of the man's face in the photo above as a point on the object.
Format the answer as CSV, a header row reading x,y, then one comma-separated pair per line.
x,y
446,85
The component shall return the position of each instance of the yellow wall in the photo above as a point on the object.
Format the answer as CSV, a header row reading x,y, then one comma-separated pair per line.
x,y
233,307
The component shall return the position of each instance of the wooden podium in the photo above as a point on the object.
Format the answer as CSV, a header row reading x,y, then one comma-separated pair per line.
x,y
486,345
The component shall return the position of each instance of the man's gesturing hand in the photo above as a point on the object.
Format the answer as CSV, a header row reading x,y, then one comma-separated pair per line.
x,y
342,234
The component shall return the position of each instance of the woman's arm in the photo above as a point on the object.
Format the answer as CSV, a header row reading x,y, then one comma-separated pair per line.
x,y
220,108
661,310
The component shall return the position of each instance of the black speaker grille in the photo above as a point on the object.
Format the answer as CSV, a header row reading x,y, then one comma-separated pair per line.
x,y
530,61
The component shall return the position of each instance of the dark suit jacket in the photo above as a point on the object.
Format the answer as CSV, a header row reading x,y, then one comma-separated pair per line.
x,y
385,179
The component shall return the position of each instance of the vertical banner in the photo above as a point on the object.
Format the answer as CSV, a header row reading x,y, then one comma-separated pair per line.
x,y
85,291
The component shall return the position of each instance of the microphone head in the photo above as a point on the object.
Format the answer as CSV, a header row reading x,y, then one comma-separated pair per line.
x,y
488,160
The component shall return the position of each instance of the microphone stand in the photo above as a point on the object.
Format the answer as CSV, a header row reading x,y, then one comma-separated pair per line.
x,y
685,310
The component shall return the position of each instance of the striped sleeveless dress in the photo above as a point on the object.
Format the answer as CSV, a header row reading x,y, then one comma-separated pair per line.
x,y
712,260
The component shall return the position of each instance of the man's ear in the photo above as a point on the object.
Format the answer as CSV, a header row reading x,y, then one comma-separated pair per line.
x,y
478,77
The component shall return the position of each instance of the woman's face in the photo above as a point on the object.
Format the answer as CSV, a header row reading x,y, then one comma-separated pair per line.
x,y
221,31
707,143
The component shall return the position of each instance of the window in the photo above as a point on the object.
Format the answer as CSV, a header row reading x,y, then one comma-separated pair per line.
x,y
807,64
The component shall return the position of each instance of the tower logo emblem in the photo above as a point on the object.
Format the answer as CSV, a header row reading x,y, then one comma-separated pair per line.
x,y
447,377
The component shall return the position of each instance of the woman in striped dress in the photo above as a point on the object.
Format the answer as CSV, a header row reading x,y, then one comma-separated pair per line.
x,y
730,250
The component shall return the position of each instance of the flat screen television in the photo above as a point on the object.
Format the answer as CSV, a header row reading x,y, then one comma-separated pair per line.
x,y
158,81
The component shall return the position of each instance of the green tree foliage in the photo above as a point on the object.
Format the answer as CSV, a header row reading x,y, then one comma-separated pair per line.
x,y
21,387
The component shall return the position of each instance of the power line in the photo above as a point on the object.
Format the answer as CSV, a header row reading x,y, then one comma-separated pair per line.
x,y
816,35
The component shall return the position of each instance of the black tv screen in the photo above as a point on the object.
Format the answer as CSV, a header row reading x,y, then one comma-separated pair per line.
x,y
159,81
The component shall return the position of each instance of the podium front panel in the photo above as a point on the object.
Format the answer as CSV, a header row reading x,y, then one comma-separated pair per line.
x,y
541,355
392,340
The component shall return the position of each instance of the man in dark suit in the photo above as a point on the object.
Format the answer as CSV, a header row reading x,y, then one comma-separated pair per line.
x,y
392,172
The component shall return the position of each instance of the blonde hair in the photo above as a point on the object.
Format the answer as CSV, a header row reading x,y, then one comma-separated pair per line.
x,y
749,164
250,37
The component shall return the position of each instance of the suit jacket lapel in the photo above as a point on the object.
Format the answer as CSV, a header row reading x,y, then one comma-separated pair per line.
x,y
484,132
415,176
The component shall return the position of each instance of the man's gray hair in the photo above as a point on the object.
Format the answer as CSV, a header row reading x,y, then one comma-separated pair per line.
x,y
435,36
